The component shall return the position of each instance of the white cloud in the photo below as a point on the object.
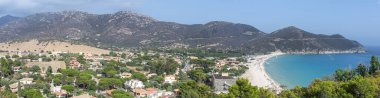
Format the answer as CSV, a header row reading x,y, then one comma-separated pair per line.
x,y
26,7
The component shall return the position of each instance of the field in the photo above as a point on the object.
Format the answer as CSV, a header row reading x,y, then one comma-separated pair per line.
x,y
55,65
53,46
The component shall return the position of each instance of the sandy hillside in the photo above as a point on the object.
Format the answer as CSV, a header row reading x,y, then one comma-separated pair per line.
x,y
55,65
54,46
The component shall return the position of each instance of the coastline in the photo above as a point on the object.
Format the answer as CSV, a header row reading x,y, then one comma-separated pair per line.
x,y
257,75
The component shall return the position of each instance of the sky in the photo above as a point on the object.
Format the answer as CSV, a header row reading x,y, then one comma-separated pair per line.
x,y
355,19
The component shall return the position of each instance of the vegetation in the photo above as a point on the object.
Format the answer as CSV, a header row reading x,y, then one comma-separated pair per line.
x,y
163,66
121,94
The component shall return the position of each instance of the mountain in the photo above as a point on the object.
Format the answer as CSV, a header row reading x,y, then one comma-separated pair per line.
x,y
6,19
293,39
132,30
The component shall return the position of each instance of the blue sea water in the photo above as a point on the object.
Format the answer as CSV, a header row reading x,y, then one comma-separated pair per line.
x,y
293,70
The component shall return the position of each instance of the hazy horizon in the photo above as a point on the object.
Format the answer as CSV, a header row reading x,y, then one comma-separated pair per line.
x,y
356,20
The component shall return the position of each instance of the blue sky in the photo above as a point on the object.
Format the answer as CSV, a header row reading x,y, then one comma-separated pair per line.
x,y
355,19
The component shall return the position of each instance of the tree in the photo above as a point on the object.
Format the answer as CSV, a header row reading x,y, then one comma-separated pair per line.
x,y
81,59
123,55
49,71
139,76
362,70
192,89
158,79
374,65
6,67
68,88
243,89
161,66
112,53
7,56
70,72
19,88
85,81
339,75
15,56
109,83
35,68
121,94
361,87
323,89
197,75
33,93
7,94
288,94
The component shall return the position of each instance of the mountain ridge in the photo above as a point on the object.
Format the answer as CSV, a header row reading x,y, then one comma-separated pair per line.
x,y
132,30
6,19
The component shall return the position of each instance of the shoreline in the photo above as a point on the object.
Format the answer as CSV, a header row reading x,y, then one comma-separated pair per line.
x,y
257,75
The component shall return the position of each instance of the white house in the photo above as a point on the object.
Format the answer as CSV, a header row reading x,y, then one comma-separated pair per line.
x,y
125,75
133,84
26,80
170,79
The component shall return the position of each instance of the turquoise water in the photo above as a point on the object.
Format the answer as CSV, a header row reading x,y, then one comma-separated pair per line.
x,y
292,70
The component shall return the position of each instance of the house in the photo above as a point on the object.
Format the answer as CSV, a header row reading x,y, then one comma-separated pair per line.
x,y
17,69
125,75
221,83
168,94
220,63
193,57
95,65
138,93
26,80
14,87
151,75
86,95
58,91
133,84
26,73
74,63
170,79
109,92
153,93
148,93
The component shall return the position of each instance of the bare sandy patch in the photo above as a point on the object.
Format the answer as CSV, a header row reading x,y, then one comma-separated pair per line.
x,y
53,46
55,65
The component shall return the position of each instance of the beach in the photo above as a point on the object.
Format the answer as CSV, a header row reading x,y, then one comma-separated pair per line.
x,y
257,75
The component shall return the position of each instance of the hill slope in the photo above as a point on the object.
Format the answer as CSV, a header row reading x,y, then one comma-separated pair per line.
x,y
132,30
7,19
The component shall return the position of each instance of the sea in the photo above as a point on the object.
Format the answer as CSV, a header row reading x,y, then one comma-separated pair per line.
x,y
300,70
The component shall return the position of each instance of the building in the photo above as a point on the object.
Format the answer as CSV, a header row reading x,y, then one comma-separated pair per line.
x,y
133,84
170,79
220,63
221,83
14,87
74,63
147,93
95,65
57,91
125,75
26,80
17,69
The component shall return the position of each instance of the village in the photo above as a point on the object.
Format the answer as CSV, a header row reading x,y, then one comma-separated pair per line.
x,y
128,74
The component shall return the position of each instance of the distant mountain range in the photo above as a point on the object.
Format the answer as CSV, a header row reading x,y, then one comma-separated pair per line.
x,y
131,30
7,18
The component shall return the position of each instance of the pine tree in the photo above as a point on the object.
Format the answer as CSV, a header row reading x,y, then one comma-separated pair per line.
x,y
374,65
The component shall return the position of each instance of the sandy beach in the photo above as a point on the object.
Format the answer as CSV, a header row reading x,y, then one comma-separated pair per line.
x,y
257,75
